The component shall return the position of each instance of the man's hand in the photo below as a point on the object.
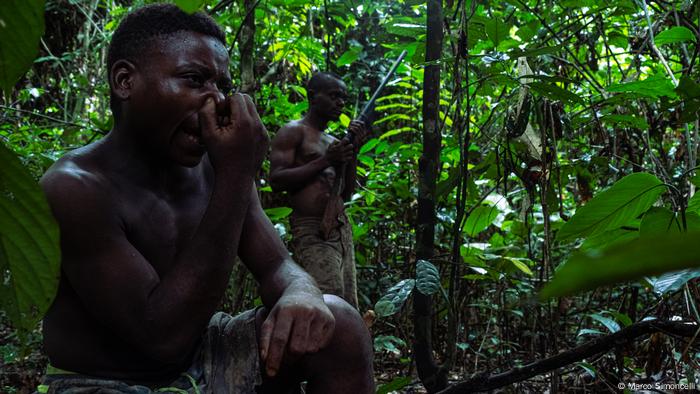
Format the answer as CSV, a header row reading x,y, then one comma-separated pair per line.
x,y
339,152
235,136
298,324
360,133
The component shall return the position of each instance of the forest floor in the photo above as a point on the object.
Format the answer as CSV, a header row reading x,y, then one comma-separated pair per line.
x,y
21,369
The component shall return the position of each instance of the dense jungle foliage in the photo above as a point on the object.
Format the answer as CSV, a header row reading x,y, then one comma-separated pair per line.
x,y
564,137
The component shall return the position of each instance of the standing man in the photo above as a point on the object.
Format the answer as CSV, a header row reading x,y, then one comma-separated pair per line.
x,y
152,217
305,161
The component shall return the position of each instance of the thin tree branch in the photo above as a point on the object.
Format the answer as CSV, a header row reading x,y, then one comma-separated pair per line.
x,y
626,335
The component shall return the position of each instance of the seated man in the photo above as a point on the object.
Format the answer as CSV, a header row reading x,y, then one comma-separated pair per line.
x,y
305,161
152,217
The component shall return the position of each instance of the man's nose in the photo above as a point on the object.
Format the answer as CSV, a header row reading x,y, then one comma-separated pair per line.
x,y
219,100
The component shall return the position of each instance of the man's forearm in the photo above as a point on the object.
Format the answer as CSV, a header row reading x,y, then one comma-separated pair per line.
x,y
191,291
291,179
286,279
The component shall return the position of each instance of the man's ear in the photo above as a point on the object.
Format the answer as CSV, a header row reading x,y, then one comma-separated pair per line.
x,y
122,78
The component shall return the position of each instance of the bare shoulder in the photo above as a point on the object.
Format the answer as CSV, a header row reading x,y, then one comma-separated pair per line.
x,y
76,183
291,133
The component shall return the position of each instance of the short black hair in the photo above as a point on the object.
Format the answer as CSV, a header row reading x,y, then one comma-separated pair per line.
x,y
320,79
142,27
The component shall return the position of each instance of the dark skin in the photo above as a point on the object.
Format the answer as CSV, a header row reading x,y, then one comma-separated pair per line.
x,y
152,217
304,160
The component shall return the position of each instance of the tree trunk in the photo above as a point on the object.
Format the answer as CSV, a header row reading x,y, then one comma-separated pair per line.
x,y
246,43
431,375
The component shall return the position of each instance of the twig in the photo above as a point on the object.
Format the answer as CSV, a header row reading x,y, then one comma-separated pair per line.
x,y
653,46
626,335
51,118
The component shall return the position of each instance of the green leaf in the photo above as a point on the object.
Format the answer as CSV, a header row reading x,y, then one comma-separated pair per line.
x,y
589,368
496,30
687,88
614,207
394,298
534,52
673,281
278,213
21,27
554,92
349,56
520,264
653,87
621,317
388,343
394,385
479,219
623,262
406,29
674,34
627,120
605,239
189,6
657,221
427,277
29,245
609,323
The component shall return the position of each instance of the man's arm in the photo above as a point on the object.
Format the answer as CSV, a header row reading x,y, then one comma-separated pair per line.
x,y
284,176
360,133
162,316
299,319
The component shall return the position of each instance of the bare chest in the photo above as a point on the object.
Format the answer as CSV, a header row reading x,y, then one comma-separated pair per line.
x,y
159,226
313,146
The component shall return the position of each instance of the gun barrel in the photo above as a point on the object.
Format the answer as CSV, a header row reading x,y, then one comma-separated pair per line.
x,y
379,90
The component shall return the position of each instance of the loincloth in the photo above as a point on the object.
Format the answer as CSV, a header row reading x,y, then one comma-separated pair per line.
x,y
331,262
226,362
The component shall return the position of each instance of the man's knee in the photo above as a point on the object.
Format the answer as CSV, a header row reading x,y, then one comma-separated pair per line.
x,y
351,336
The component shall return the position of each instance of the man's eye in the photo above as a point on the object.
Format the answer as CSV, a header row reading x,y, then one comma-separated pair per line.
x,y
195,79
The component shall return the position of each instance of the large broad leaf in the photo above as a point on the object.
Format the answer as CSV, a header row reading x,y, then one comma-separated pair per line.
x,y
653,87
479,219
29,245
496,30
609,323
657,221
673,281
674,34
349,56
554,92
623,262
626,120
614,207
608,238
394,298
427,277
21,27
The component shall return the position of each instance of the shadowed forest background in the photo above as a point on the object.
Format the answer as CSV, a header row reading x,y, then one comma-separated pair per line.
x,y
520,141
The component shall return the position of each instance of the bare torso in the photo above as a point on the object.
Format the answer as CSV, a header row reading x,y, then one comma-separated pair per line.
x,y
155,224
311,198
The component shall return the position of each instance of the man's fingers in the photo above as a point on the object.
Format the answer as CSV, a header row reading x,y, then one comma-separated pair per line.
x,y
278,343
300,341
325,333
207,116
265,336
238,108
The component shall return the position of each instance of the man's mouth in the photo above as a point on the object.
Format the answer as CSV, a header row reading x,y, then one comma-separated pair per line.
x,y
193,136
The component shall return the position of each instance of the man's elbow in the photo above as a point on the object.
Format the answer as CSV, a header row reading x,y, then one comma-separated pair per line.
x,y
277,183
